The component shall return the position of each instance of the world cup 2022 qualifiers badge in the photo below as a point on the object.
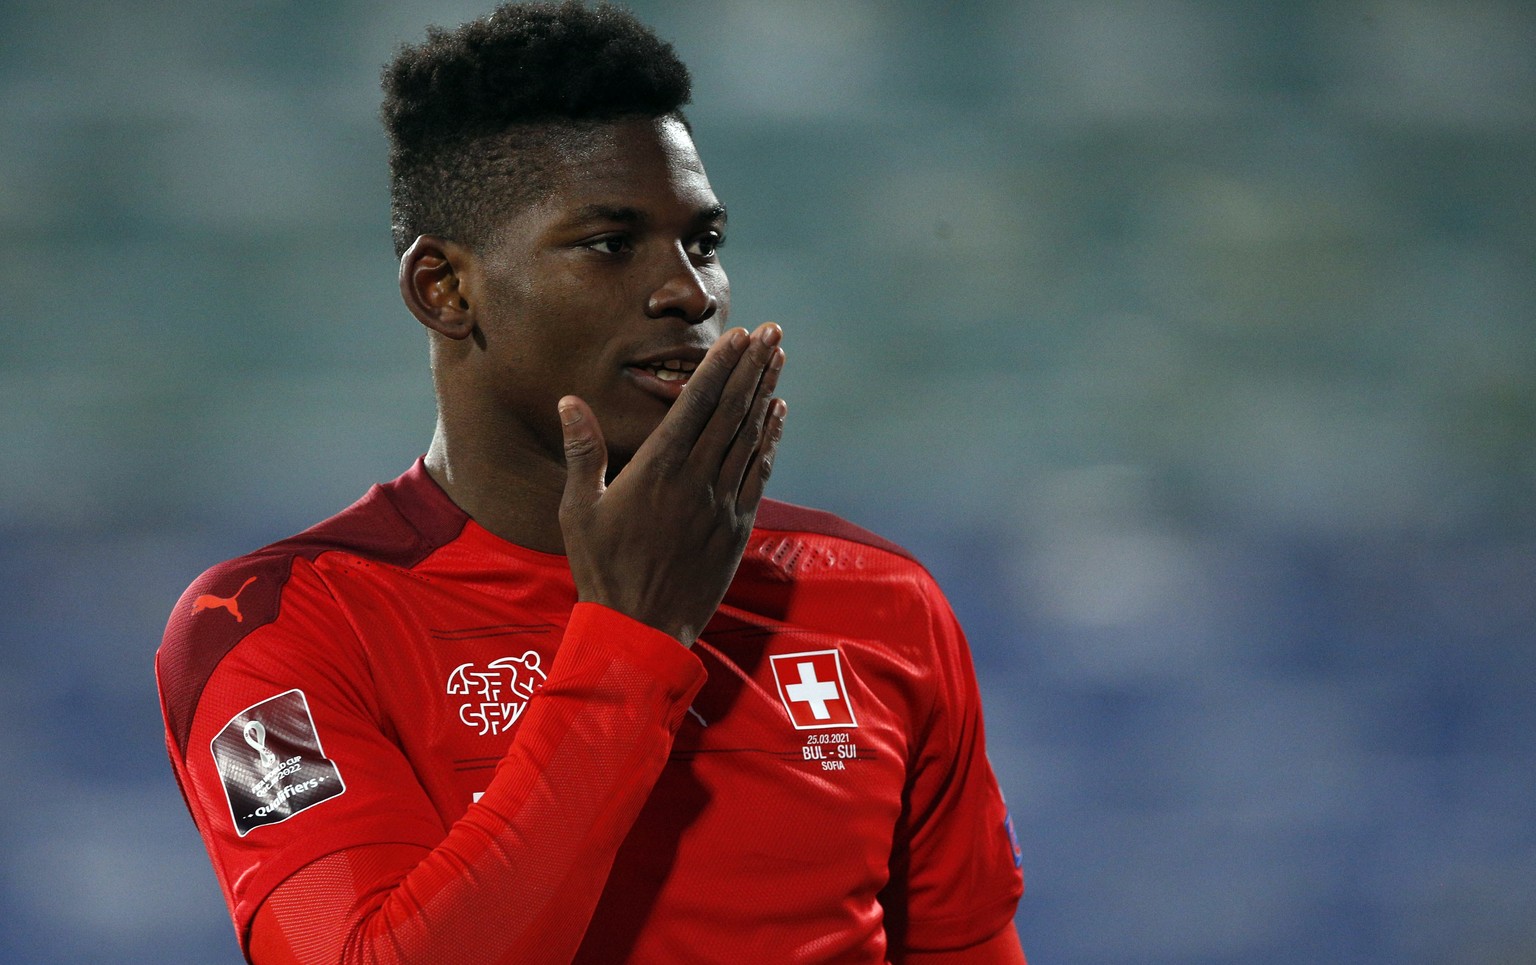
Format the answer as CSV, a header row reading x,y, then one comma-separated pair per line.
x,y
272,764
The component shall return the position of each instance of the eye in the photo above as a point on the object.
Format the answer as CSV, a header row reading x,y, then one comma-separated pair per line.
x,y
707,245
608,245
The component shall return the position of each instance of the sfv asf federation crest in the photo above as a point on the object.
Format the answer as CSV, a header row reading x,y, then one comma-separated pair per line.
x,y
271,762
498,694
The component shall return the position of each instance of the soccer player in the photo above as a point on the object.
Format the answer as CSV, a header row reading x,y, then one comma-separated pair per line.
x,y
569,689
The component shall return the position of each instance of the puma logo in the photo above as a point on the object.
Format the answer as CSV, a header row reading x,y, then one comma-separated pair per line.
x,y
231,603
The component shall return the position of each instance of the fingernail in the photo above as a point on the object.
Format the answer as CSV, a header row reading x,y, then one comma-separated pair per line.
x,y
777,362
773,334
570,413
739,338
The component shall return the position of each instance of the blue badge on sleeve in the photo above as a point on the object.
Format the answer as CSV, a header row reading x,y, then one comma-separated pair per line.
x,y
1013,841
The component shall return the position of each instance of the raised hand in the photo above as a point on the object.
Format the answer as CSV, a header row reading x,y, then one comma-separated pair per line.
x,y
663,540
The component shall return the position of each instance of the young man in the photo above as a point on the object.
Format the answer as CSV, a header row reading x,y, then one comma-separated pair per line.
x,y
568,689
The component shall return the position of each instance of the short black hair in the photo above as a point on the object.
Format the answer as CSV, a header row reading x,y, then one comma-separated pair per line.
x,y
470,110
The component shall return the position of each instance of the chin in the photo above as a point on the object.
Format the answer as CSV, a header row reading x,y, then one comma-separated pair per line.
x,y
624,441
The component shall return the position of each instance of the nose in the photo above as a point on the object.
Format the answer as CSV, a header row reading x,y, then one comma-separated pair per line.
x,y
685,294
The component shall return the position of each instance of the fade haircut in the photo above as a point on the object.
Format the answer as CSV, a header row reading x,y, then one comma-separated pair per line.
x,y
474,114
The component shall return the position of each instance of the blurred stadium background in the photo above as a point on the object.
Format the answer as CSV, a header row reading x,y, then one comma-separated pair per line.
x,y
1192,344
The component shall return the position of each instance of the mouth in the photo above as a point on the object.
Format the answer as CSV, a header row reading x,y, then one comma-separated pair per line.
x,y
665,375
670,370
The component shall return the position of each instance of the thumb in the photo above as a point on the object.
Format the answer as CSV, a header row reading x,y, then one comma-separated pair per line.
x,y
586,456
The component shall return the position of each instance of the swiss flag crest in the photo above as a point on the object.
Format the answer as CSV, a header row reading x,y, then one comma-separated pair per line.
x,y
812,689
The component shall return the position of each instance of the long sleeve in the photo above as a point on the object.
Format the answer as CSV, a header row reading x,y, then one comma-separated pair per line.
x,y
518,876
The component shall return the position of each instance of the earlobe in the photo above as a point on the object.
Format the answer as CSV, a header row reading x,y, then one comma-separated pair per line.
x,y
432,285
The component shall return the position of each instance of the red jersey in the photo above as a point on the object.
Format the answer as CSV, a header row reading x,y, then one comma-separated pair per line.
x,y
808,783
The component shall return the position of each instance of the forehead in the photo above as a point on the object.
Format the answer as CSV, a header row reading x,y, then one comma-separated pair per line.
x,y
643,161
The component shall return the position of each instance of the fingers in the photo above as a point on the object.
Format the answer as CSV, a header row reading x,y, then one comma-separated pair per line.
x,y
718,424
744,447
762,464
586,457
680,429
731,420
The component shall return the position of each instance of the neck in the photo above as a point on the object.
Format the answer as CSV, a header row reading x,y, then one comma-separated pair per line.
x,y
507,491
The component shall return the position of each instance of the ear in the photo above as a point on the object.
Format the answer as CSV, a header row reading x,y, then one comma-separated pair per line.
x,y
432,285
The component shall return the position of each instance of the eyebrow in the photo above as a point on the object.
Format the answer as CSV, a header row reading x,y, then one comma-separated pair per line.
x,y
712,214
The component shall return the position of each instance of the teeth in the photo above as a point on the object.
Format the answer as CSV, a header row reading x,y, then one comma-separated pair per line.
x,y
672,370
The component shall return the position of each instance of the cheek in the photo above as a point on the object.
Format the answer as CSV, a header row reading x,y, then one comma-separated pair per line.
x,y
553,325
721,287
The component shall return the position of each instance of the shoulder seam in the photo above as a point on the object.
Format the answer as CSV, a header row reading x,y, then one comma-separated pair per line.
x,y
778,516
199,651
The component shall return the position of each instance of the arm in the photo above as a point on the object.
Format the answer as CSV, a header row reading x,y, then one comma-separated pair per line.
x,y
518,877
955,871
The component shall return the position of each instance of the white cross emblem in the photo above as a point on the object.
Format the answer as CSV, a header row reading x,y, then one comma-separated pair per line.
x,y
813,690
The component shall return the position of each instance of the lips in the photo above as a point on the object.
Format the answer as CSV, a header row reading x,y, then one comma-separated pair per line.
x,y
663,374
